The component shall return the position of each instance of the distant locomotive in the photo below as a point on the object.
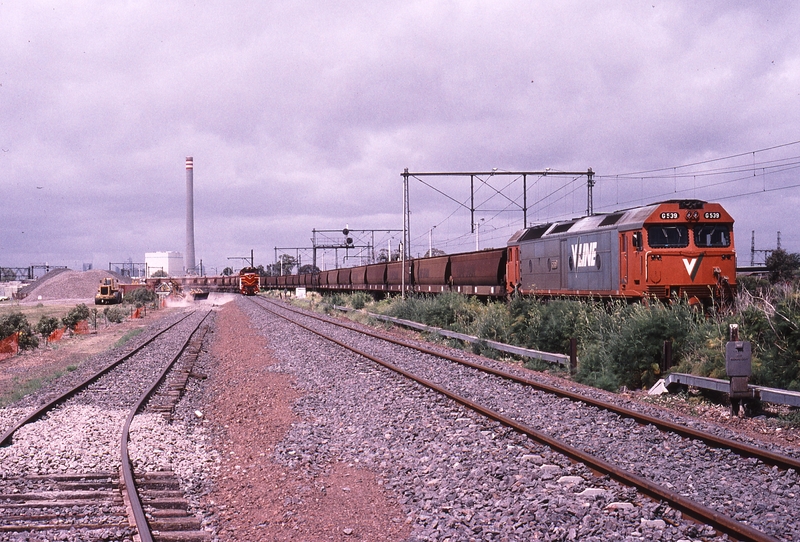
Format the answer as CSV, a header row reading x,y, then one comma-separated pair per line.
x,y
673,248
249,281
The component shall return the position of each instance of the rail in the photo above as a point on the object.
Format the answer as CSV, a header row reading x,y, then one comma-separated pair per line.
x,y
6,438
696,510
742,449
127,471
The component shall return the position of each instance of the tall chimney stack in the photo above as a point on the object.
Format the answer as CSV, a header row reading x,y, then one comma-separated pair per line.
x,y
189,258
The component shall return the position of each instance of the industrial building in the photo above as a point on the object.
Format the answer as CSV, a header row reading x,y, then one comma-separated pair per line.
x,y
170,262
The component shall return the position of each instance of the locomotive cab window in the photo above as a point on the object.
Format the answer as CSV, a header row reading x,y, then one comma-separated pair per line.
x,y
668,236
712,235
636,240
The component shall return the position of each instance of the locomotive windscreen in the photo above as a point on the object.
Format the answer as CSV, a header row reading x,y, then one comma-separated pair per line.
x,y
662,236
712,235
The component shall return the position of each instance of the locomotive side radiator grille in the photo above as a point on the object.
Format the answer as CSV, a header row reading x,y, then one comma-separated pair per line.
x,y
658,291
696,291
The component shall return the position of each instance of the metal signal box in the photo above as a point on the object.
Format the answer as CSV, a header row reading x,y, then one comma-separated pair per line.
x,y
738,358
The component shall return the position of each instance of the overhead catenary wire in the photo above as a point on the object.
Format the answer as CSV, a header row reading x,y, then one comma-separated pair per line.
x,y
702,162
706,179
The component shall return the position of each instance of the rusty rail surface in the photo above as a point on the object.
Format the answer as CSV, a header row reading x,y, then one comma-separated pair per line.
x,y
745,450
6,438
721,522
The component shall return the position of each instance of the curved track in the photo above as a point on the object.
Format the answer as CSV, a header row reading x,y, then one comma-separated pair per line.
x,y
129,382
635,475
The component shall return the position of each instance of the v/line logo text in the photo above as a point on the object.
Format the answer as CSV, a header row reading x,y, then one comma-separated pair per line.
x,y
584,254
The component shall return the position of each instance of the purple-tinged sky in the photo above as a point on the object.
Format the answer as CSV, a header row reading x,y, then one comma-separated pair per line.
x,y
303,115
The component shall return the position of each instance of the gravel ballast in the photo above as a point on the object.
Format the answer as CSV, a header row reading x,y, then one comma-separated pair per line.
x,y
282,435
457,476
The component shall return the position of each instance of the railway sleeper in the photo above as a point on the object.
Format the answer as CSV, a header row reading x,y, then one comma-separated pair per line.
x,y
168,510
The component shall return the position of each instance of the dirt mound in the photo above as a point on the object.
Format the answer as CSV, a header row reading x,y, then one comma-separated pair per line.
x,y
28,288
69,284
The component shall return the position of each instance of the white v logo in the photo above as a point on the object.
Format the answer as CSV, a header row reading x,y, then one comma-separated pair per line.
x,y
689,265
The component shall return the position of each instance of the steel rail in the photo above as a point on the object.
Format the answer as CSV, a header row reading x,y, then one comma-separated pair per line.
x,y
139,516
6,438
721,522
745,450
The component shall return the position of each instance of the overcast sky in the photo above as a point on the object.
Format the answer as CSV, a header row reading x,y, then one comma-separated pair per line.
x,y
303,115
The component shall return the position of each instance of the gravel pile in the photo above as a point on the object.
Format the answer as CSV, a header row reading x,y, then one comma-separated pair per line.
x,y
458,476
68,284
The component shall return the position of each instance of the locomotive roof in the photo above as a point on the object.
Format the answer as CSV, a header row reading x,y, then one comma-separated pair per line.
x,y
626,219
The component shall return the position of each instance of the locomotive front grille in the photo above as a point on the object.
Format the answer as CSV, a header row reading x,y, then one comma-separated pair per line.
x,y
658,291
696,291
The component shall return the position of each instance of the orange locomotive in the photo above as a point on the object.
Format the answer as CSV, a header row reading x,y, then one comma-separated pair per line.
x,y
673,248
249,281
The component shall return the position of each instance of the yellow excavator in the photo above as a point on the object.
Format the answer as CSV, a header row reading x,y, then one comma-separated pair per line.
x,y
108,293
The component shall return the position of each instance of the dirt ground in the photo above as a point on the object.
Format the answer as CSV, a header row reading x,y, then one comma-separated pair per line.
x,y
254,497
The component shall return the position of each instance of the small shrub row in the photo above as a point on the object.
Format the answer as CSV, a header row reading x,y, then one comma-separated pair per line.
x,y
16,322
27,339
621,344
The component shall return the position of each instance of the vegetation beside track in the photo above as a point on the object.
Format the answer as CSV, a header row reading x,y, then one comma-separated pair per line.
x,y
21,388
621,344
18,318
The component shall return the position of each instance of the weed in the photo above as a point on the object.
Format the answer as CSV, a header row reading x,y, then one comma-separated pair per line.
x,y
127,337
115,315
21,389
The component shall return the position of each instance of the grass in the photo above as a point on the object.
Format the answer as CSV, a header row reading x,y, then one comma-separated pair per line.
x,y
21,389
34,312
790,419
127,337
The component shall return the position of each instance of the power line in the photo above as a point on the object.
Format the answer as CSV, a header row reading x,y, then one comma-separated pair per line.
x,y
709,161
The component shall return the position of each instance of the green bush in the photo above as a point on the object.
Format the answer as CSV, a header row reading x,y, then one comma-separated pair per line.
x,y
452,311
778,349
140,297
80,312
16,322
620,343
359,300
115,315
46,326
493,323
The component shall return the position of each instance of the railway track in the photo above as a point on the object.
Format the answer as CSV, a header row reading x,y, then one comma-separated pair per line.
x,y
698,475
66,467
